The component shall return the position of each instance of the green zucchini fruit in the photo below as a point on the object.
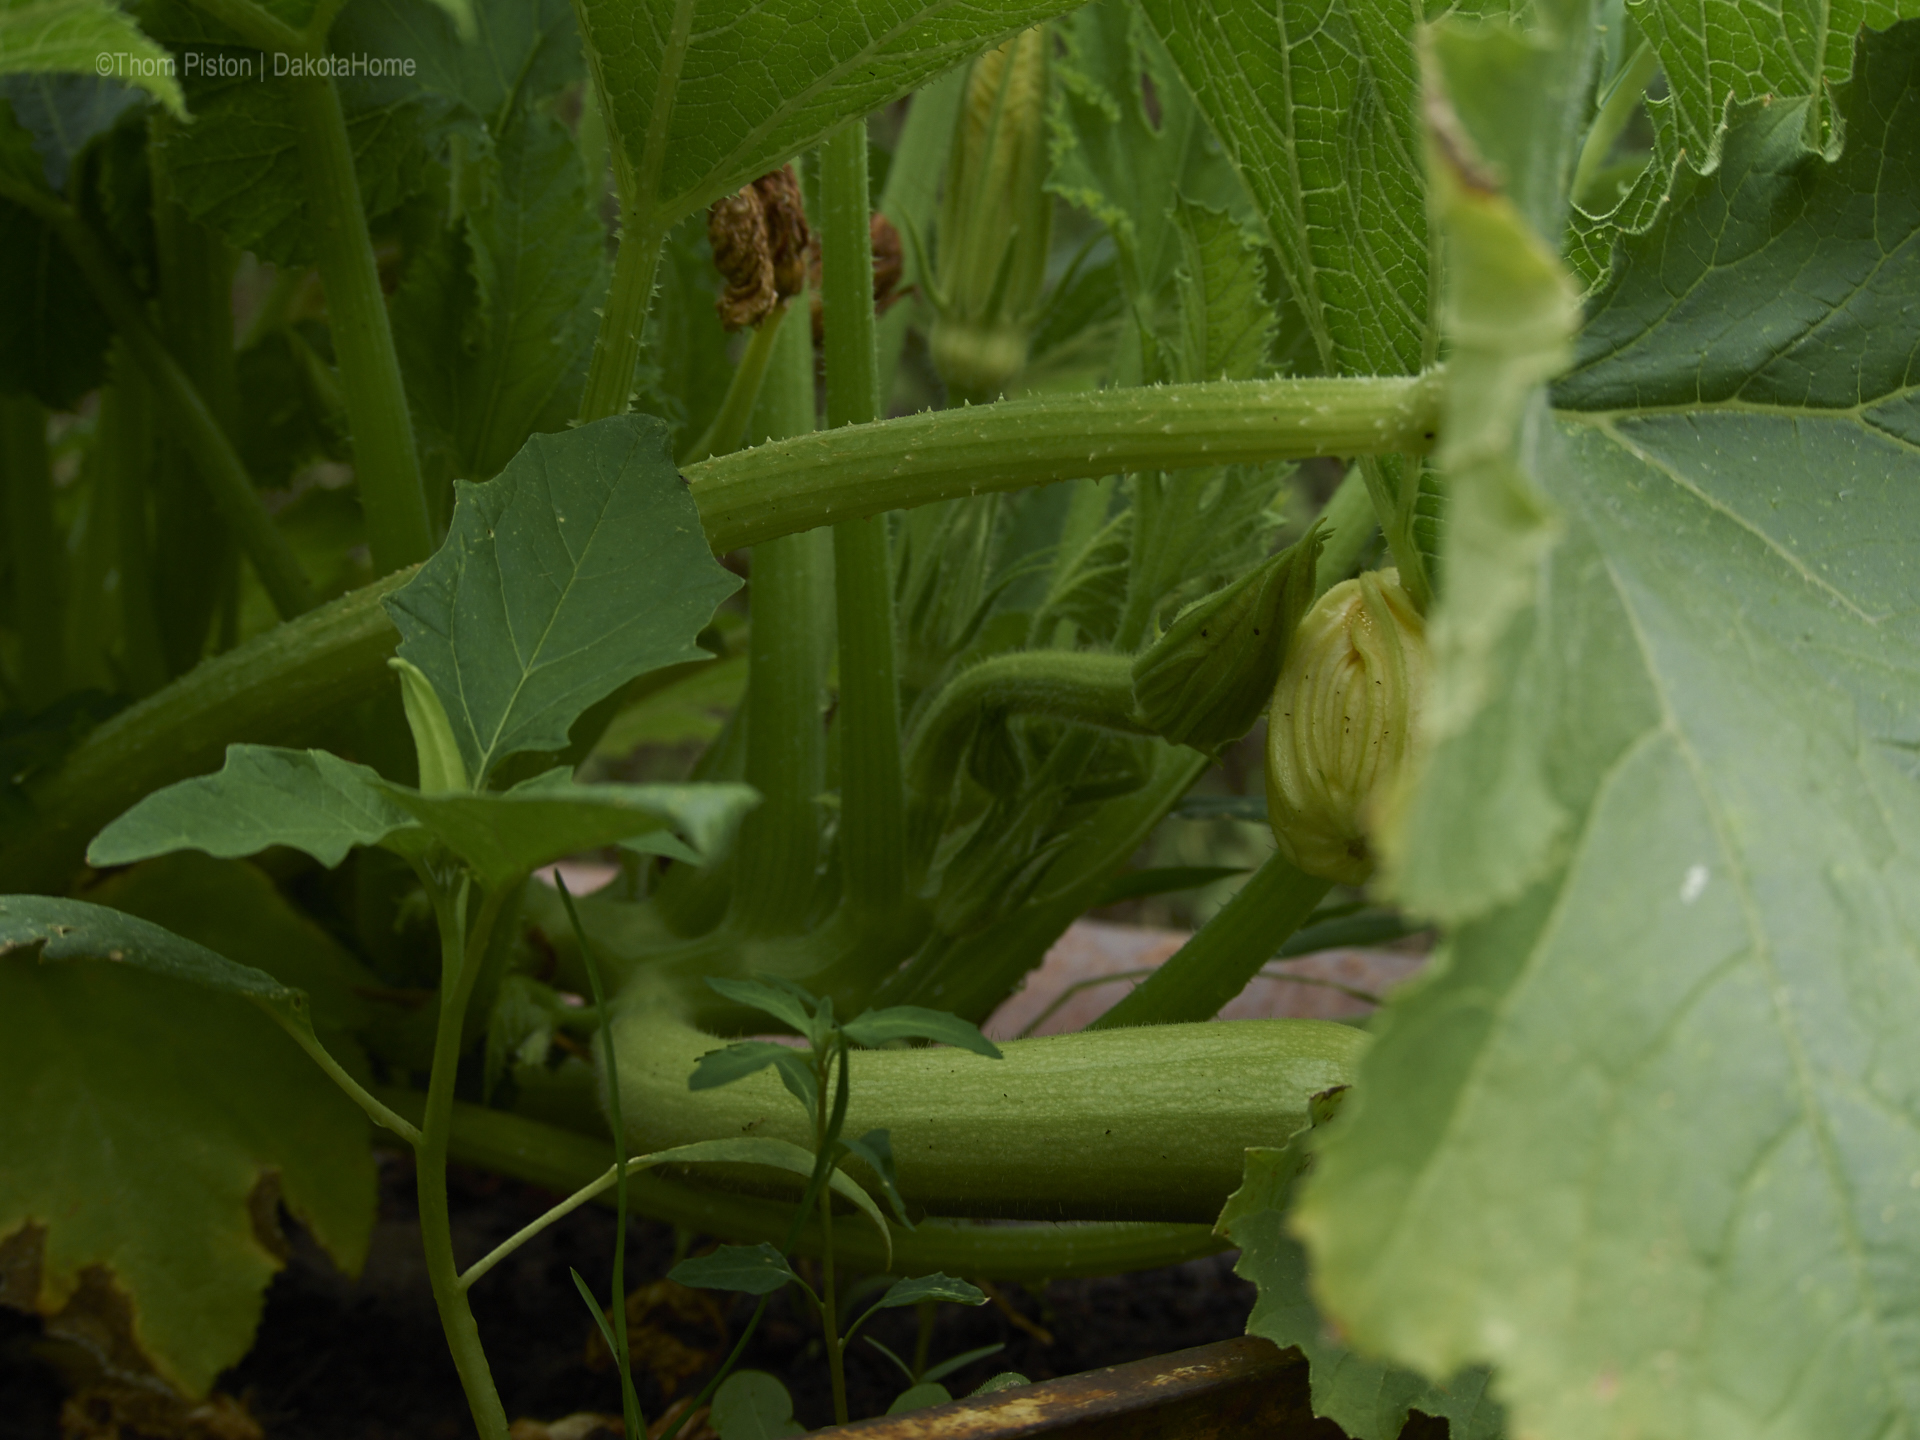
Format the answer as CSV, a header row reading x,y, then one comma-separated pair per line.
x,y
1127,1124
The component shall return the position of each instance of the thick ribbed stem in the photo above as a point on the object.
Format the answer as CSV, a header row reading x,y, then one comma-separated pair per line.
x,y
778,850
1228,951
385,464
872,793
867,469
623,320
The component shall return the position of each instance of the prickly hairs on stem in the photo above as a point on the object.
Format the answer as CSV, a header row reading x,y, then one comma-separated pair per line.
x,y
1344,717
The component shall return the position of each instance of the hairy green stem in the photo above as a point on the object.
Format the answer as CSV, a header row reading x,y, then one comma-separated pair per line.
x,y
778,850
623,319
36,548
567,1160
873,812
462,953
864,470
386,465
1349,525
1228,951
220,469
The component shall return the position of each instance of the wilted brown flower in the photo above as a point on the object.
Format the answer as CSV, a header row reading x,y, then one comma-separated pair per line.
x,y
737,230
788,237
760,243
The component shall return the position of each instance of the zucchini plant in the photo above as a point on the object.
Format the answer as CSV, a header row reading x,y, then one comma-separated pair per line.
x,y
371,419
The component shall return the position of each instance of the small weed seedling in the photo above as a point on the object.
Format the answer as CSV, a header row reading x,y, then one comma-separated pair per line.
x,y
817,1077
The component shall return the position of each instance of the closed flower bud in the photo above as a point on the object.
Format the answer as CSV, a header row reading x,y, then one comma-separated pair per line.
x,y
996,222
442,770
1206,680
1342,724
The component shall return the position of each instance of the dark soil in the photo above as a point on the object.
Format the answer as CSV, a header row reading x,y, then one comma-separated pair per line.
x,y
338,1359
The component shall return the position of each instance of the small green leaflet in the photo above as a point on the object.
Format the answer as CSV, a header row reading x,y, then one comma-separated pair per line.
x,y
1226,326
307,799
792,1008
930,1287
323,805
751,1269
580,567
920,1397
875,1150
76,930
915,1022
1120,164
752,1405
750,1057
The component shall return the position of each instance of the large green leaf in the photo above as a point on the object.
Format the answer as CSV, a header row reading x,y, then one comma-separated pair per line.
x,y
1646,1141
504,837
580,567
237,168
149,1128
234,910
84,37
1715,52
496,316
707,94
1127,164
307,799
1366,1398
1306,98
521,51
